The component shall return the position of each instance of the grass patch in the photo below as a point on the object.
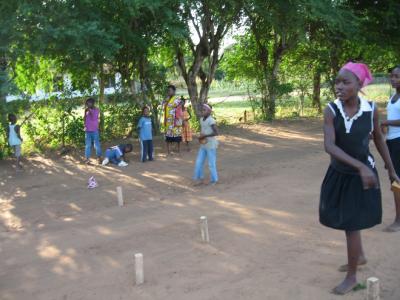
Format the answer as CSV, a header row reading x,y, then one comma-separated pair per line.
x,y
231,109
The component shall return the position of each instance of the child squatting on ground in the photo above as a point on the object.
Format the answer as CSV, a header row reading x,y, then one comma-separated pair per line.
x,y
145,128
208,147
91,120
350,197
116,155
14,138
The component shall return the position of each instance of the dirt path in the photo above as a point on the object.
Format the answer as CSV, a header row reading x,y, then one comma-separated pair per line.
x,y
59,240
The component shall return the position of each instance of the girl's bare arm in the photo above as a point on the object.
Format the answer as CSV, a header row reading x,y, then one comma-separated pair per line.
x,y
382,147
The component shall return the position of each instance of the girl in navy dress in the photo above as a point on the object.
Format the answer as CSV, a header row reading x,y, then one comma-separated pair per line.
x,y
350,193
392,124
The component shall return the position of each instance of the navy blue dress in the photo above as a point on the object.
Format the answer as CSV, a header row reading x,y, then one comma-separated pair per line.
x,y
344,204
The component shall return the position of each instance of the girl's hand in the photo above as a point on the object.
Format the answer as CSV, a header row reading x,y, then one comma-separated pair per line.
x,y
368,178
384,126
393,177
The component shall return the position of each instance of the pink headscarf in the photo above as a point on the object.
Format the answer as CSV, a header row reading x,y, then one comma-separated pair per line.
x,y
361,71
206,106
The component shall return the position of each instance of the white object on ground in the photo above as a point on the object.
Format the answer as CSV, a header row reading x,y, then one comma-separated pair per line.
x,y
373,289
122,164
105,161
139,268
120,197
204,229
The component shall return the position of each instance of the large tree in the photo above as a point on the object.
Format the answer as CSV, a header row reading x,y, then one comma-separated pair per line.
x,y
207,22
277,28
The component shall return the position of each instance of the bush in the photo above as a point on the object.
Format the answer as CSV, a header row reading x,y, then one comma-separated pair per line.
x,y
54,123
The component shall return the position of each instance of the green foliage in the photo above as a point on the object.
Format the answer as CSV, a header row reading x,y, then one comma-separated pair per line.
x,y
55,123
285,58
120,120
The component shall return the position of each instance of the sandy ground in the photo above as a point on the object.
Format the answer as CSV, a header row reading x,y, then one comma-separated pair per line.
x,y
60,240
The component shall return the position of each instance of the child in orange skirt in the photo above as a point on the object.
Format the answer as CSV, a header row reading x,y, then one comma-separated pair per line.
x,y
186,130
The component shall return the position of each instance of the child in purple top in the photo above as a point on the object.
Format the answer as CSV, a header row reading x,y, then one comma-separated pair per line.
x,y
91,119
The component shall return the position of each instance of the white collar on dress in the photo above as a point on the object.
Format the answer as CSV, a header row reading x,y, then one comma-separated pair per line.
x,y
348,122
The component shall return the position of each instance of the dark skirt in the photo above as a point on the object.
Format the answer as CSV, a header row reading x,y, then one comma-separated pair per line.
x,y
345,205
173,139
394,150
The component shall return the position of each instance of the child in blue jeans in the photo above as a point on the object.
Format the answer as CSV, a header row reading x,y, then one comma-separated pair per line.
x,y
116,155
145,135
208,147
91,120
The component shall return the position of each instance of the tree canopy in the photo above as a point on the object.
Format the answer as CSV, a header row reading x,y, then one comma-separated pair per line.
x,y
279,46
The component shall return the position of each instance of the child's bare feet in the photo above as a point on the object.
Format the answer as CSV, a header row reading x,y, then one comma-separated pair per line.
x,y
347,285
198,182
361,261
393,227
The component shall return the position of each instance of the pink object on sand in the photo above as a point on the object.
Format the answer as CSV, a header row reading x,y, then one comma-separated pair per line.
x,y
92,183
361,71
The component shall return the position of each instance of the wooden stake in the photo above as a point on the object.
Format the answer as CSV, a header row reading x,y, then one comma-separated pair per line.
x,y
204,229
373,288
139,268
120,197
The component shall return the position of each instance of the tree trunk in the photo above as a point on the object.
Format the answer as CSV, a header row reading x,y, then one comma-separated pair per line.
x,y
3,109
272,81
316,99
193,95
271,101
205,88
148,95
301,110
101,97
133,89
335,65
210,37
154,105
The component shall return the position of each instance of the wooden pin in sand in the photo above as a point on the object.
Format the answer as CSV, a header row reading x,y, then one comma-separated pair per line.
x,y
139,268
373,289
204,229
120,197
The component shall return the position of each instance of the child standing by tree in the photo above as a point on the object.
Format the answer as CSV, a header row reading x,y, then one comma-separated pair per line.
x,y
91,120
208,147
14,138
393,136
186,130
172,121
146,135
350,193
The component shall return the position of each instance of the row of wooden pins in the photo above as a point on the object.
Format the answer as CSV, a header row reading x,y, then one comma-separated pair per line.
x,y
372,283
139,270
203,219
